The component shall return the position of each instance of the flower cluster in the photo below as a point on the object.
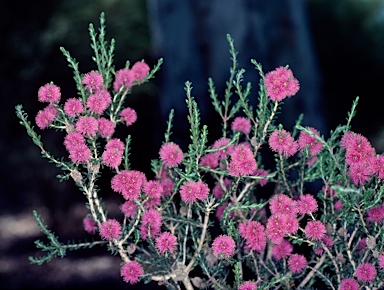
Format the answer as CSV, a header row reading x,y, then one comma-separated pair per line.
x,y
313,213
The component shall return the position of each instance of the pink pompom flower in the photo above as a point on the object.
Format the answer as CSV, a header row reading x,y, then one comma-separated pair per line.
x,y
242,161
89,225
131,272
166,242
280,83
99,101
72,139
80,153
110,229
49,93
222,153
376,214
124,78
283,204
171,154
305,139
87,126
45,117
192,191
247,285
349,284
366,272
315,230
381,261
223,247
129,183
254,234
297,263
281,141
129,208
307,204
150,223
282,250
73,107
241,124
153,189
93,81
139,70
106,127
359,174
129,116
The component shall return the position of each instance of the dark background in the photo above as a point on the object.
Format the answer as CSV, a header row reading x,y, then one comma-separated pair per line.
x,y
346,41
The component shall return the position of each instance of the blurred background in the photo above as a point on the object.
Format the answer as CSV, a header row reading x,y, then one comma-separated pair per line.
x,y
335,49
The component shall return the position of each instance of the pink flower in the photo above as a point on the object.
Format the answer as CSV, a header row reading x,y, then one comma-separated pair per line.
x,y
349,284
87,126
280,83
282,250
171,154
124,78
131,272
129,116
307,204
112,158
150,223
115,144
338,205
223,247
139,70
247,285
377,166
242,161
73,139
192,191
366,272
262,172
241,124
222,153
209,160
254,234
99,101
281,203
166,242
381,261
315,230
45,117
129,183
49,93
166,182
152,202
376,214
89,225
73,107
359,174
281,141
110,229
153,189
93,81
359,150
313,144
79,153
106,127
297,263
129,208
279,225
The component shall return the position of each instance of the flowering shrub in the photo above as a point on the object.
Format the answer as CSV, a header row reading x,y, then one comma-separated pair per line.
x,y
218,215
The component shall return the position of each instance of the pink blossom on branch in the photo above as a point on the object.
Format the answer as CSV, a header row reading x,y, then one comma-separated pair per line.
x,y
281,141
280,83
297,263
349,284
131,272
93,81
282,250
99,101
110,229
45,117
315,230
223,247
242,161
139,70
73,107
305,139
241,124
171,154
366,272
166,242
129,116
49,93
247,285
